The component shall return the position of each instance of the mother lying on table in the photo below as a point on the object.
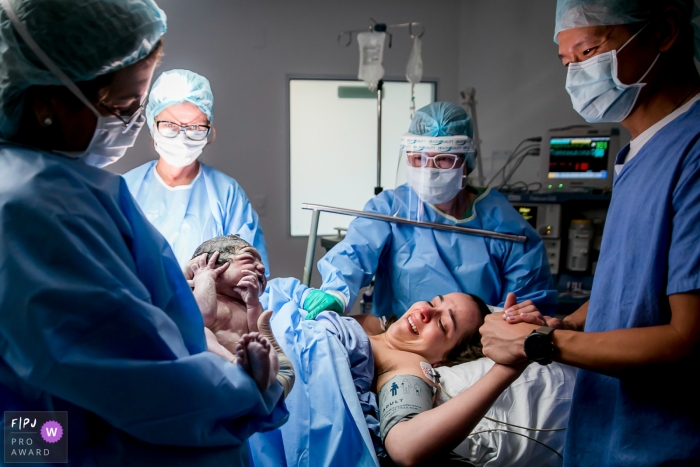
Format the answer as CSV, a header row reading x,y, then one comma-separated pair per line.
x,y
438,332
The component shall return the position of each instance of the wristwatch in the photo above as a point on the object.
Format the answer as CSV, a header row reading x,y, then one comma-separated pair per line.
x,y
539,347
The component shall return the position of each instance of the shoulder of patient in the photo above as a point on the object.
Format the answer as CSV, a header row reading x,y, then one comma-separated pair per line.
x,y
397,362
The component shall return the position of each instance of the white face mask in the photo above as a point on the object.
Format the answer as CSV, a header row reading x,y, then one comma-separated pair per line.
x,y
179,151
434,186
109,142
111,138
597,93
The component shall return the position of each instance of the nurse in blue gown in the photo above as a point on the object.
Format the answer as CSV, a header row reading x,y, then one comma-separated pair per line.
x,y
636,341
412,264
187,201
96,318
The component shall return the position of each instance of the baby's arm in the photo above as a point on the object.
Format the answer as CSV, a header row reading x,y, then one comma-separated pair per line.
x,y
205,274
249,288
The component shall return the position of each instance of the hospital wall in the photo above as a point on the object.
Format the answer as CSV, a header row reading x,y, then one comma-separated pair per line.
x,y
248,49
508,54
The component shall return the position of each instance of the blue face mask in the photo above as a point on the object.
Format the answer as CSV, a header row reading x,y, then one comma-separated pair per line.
x,y
597,93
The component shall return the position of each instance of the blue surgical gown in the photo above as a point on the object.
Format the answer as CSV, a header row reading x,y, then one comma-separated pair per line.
x,y
414,264
212,205
650,250
332,412
97,319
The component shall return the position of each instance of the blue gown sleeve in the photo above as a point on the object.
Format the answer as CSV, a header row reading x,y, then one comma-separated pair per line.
x,y
352,263
525,272
684,254
242,219
78,323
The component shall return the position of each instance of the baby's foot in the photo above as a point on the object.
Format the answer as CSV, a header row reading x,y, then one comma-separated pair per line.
x,y
253,352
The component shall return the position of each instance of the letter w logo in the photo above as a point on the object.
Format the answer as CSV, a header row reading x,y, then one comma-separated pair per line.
x,y
52,431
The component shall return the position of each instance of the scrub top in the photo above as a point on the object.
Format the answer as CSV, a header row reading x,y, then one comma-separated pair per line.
x,y
96,319
414,264
650,250
213,204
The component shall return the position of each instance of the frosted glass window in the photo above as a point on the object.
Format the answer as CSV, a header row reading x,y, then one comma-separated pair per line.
x,y
333,145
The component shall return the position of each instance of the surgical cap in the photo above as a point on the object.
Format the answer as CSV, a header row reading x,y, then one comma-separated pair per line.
x,y
176,86
580,13
441,119
85,39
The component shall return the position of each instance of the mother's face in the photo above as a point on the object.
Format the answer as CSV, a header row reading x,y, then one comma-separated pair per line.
x,y
432,329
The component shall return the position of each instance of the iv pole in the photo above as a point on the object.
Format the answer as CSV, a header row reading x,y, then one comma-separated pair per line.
x,y
469,104
345,39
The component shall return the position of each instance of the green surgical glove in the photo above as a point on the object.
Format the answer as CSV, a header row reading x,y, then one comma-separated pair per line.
x,y
318,301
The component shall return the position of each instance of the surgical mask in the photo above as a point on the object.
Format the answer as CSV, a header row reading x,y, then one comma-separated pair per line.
x,y
434,186
112,137
596,91
110,140
179,151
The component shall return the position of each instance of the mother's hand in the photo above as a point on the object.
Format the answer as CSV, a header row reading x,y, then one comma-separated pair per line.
x,y
527,312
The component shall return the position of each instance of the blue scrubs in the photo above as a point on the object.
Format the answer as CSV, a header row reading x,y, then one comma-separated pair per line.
x,y
212,205
414,264
97,319
650,250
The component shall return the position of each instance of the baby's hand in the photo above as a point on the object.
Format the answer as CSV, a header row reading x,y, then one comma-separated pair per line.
x,y
206,272
249,289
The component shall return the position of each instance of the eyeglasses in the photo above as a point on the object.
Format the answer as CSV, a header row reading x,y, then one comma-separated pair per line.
x,y
440,161
129,121
193,132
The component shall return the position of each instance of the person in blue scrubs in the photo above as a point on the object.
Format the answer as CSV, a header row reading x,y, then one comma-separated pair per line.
x,y
636,341
96,318
413,264
187,201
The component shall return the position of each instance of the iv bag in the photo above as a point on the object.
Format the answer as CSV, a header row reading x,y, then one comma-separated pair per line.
x,y
371,55
414,68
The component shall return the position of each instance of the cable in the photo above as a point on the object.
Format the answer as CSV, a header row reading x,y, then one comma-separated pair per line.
x,y
515,153
504,423
529,152
519,434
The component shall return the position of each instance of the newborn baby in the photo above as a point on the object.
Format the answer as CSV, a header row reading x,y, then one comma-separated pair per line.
x,y
228,277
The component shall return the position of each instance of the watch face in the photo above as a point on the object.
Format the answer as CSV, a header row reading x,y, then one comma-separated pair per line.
x,y
538,347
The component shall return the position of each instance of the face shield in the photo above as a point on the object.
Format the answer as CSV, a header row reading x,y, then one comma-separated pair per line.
x,y
434,168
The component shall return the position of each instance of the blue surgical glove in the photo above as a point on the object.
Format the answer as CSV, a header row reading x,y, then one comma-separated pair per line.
x,y
318,301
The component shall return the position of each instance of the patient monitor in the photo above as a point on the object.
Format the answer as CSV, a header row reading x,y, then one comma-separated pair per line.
x,y
579,159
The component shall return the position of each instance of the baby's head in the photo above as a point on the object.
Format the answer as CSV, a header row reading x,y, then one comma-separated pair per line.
x,y
243,257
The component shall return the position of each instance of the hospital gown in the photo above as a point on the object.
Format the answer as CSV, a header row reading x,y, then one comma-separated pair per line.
x,y
212,205
97,319
414,264
650,249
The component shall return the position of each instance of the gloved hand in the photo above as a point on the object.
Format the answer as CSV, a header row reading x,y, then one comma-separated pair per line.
x,y
318,301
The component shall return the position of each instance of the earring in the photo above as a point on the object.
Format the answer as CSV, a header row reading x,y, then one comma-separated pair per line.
x,y
48,121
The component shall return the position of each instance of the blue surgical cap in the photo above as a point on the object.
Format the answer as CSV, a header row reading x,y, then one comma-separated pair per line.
x,y
176,86
441,119
85,39
580,13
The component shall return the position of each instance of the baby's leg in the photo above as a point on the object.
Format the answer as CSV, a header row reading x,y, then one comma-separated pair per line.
x,y
285,375
253,352
214,347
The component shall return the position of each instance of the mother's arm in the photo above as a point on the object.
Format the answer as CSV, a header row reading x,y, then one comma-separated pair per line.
x,y
441,429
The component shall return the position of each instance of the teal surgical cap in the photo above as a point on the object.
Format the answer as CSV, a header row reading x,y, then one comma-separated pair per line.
x,y
176,86
85,39
441,119
580,13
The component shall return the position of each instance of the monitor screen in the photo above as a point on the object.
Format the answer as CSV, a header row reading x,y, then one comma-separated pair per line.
x,y
579,157
529,213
